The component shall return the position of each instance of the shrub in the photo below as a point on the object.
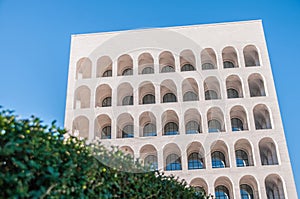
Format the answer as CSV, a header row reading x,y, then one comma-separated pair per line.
x,y
36,161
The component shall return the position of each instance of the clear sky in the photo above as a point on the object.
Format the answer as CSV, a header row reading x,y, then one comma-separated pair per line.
x,y
35,44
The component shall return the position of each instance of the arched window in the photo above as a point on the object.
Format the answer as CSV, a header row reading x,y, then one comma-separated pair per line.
x,y
127,131
262,117
246,192
195,161
222,192
171,128
192,127
251,56
190,96
107,73
149,130
200,191
106,102
127,100
169,97
208,66
237,124
228,64
106,133
267,156
151,161
211,95
232,93
241,158
149,99
173,162
218,160
187,67
148,70
214,126
256,85
167,69
127,72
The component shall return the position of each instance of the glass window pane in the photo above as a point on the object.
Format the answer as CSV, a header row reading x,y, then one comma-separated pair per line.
x,y
106,133
149,130
171,128
187,67
128,100
241,158
127,72
214,126
169,97
211,95
167,69
237,124
107,73
218,160
127,131
195,161
192,127
228,64
207,66
190,96
148,70
173,162
149,99
232,93
106,102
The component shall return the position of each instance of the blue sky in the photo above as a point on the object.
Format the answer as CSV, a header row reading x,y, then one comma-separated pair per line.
x,y
35,42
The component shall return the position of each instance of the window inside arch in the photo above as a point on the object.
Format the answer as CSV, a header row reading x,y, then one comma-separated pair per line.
x,y
190,96
127,131
192,127
214,126
241,158
256,87
187,67
106,102
127,72
200,191
127,100
228,64
167,69
173,162
273,191
107,73
267,156
211,95
169,97
106,133
148,70
195,161
218,160
208,66
261,122
232,93
149,130
222,192
171,128
149,99
237,124
246,192
151,161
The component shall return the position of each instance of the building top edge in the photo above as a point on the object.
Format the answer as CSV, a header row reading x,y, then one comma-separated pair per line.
x,y
170,27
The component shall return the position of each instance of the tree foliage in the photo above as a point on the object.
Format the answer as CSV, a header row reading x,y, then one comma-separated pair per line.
x,y
36,161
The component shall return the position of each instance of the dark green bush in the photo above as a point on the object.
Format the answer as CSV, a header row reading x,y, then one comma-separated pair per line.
x,y
36,161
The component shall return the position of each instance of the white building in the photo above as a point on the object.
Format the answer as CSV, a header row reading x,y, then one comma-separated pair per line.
x,y
195,101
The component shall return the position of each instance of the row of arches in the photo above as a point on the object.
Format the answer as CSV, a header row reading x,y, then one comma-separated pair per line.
x,y
248,187
197,157
168,91
170,122
166,61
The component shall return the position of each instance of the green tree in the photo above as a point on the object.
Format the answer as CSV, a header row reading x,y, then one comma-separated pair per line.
x,y
36,161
